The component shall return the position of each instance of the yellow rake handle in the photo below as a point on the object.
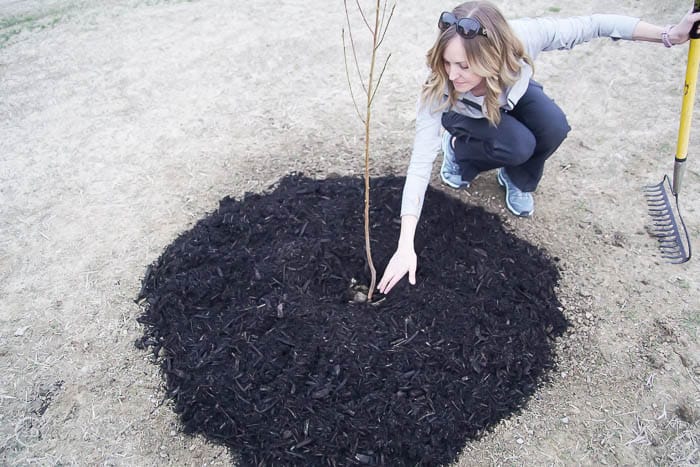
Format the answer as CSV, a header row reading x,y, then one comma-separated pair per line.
x,y
691,79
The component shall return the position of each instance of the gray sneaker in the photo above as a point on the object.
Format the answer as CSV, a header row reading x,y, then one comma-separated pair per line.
x,y
521,203
450,172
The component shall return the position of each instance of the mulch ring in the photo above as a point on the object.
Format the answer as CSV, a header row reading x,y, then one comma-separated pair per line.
x,y
251,317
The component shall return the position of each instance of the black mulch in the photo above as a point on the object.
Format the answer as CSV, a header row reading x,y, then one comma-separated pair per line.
x,y
263,351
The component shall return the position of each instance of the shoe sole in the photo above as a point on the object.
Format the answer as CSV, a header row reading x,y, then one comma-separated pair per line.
x,y
510,208
452,185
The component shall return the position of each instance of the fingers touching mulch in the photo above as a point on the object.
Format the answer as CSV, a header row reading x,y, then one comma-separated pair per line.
x,y
262,348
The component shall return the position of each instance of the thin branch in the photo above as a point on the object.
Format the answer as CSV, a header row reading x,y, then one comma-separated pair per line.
x,y
381,27
347,75
386,28
364,18
352,46
379,80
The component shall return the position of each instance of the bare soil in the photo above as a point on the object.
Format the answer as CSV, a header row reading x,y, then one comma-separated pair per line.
x,y
122,123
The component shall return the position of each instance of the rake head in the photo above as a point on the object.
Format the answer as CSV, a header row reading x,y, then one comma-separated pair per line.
x,y
668,226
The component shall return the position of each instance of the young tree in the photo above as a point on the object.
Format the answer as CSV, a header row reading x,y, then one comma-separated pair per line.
x,y
369,86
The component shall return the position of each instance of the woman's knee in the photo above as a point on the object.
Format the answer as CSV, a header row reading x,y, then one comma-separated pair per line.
x,y
514,149
551,137
558,130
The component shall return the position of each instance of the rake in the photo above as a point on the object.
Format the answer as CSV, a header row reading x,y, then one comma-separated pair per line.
x,y
668,225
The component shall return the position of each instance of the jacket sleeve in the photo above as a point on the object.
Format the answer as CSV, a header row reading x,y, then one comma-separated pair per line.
x,y
425,148
551,33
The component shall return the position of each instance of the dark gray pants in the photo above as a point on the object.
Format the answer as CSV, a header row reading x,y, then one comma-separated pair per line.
x,y
522,141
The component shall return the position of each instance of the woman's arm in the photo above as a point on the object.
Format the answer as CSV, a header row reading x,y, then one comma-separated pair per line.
x,y
425,148
677,34
426,145
556,33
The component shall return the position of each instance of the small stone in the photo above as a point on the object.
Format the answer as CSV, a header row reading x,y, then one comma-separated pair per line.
x,y
359,297
565,420
519,441
20,331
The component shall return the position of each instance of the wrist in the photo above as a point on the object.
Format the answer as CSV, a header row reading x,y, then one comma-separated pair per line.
x,y
405,242
666,36
405,245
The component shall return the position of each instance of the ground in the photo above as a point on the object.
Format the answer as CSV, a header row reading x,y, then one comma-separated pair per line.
x,y
125,122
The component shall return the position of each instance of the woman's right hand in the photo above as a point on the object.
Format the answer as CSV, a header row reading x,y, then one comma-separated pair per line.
x,y
680,32
404,261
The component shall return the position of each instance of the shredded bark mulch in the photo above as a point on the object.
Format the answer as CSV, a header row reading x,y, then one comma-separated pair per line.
x,y
252,319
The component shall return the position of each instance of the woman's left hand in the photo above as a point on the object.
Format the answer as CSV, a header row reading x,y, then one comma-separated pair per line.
x,y
678,34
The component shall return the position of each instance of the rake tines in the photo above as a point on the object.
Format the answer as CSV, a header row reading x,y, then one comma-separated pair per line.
x,y
674,246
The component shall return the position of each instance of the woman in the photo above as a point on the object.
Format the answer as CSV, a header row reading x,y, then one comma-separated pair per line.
x,y
494,116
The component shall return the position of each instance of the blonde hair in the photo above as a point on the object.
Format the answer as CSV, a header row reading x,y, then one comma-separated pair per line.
x,y
497,58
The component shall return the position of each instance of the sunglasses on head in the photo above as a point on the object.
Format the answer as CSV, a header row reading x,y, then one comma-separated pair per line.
x,y
468,28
